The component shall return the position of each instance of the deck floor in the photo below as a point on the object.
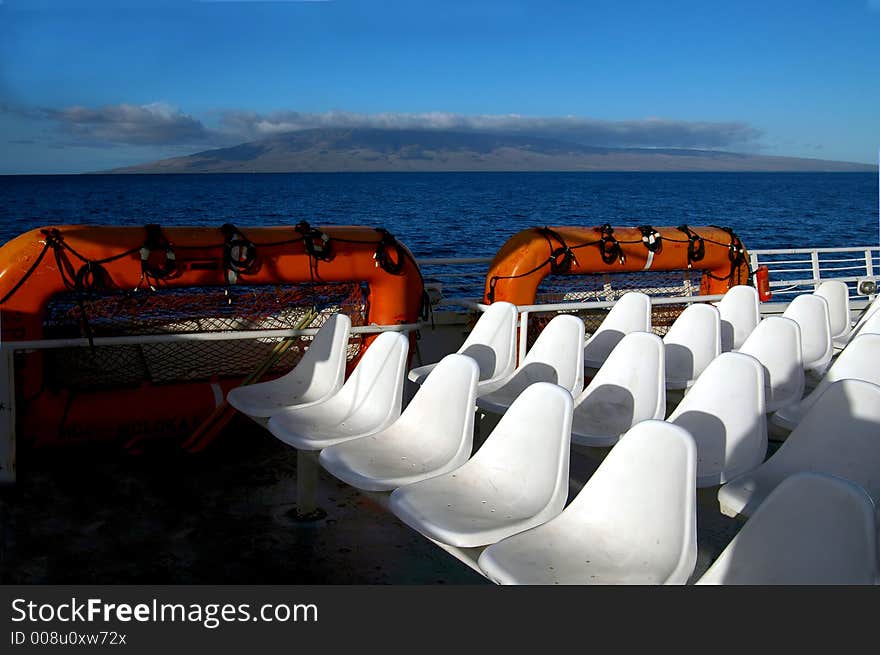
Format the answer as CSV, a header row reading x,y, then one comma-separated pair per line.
x,y
98,517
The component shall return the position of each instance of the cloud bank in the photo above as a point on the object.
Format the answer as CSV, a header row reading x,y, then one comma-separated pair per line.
x,y
161,124
647,133
154,124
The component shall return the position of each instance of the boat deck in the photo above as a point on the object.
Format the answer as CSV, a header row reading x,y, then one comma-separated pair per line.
x,y
81,517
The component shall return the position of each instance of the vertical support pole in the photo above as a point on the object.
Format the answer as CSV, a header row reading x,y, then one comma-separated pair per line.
x,y
307,487
754,261
814,260
869,270
523,336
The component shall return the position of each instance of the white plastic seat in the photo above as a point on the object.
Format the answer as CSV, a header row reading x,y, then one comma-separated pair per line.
x,y
369,400
812,529
631,313
629,388
318,375
740,313
776,343
840,435
555,357
433,435
634,522
517,479
860,360
836,294
869,314
491,343
693,340
811,314
724,412
870,325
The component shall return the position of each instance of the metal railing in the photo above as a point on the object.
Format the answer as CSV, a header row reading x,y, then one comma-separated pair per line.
x,y
800,270
10,348
792,271
787,278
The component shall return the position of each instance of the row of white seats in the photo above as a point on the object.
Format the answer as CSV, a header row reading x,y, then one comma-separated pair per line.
x,y
787,346
626,390
836,294
634,521
823,317
510,495
318,429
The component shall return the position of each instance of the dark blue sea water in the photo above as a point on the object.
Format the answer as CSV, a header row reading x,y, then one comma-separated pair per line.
x,y
463,214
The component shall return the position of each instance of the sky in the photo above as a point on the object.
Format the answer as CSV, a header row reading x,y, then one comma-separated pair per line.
x,y
89,85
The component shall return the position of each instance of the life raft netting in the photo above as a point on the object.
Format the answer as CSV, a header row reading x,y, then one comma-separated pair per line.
x,y
610,286
189,310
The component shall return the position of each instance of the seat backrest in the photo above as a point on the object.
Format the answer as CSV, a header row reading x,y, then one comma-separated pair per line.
x,y
812,529
492,342
839,435
560,346
870,325
724,412
697,329
637,367
643,496
872,311
531,445
322,367
740,313
860,360
375,387
442,411
631,313
810,312
776,343
836,294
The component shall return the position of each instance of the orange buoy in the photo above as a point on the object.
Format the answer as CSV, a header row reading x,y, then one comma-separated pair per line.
x,y
38,265
531,255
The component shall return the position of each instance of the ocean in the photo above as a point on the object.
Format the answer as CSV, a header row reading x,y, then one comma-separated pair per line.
x,y
462,214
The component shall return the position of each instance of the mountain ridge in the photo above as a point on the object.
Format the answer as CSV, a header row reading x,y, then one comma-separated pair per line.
x,y
434,150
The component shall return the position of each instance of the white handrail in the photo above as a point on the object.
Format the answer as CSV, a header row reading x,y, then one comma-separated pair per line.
x,y
189,337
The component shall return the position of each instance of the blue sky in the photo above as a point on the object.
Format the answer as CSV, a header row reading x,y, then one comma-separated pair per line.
x,y
88,85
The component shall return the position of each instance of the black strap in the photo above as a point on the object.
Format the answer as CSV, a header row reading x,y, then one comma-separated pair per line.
x,y
239,252
317,243
392,265
92,277
696,245
651,238
561,257
609,247
156,242
735,250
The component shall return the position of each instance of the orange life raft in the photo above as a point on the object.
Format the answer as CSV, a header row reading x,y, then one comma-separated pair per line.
x,y
531,255
41,263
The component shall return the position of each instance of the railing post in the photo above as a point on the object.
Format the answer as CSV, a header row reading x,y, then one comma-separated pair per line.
x,y
869,263
523,336
814,260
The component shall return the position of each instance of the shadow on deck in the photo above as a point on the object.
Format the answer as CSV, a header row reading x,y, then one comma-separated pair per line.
x,y
81,517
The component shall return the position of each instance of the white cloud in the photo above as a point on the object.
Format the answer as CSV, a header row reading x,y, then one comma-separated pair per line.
x,y
163,124
652,132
